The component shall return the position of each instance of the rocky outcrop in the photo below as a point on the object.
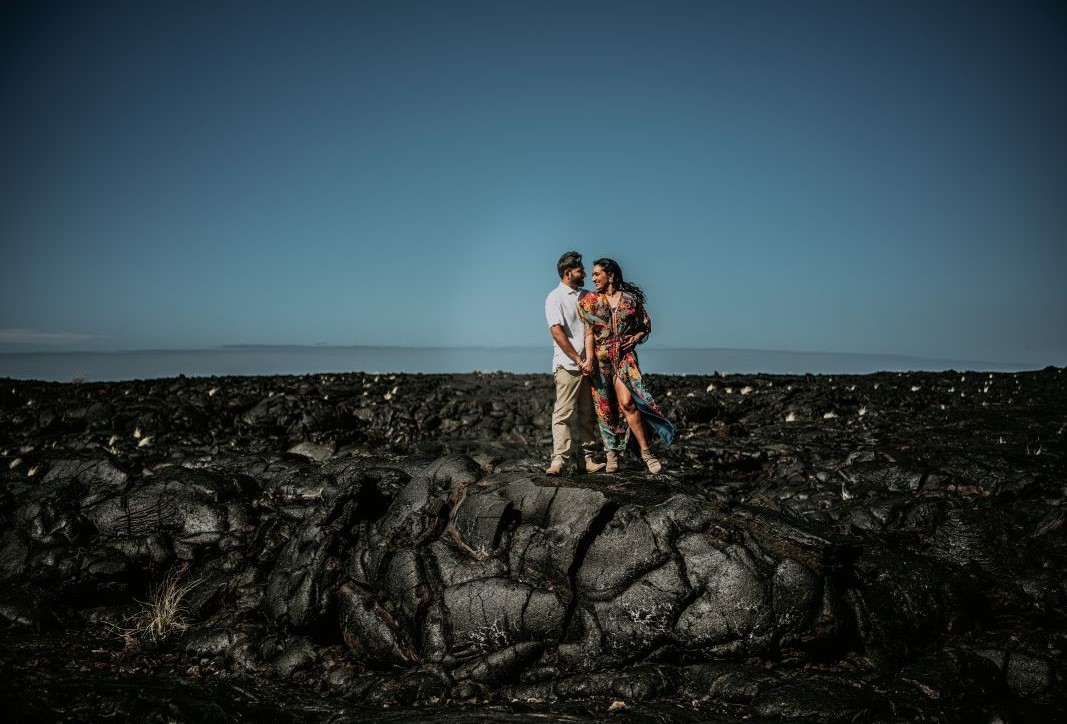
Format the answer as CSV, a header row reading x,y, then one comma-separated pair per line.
x,y
876,547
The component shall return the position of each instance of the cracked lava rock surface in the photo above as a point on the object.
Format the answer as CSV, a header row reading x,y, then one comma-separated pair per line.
x,y
355,547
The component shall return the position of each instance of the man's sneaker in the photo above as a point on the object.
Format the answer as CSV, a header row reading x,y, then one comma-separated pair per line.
x,y
556,468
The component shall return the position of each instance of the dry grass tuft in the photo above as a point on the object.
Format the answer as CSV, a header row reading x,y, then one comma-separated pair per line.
x,y
163,615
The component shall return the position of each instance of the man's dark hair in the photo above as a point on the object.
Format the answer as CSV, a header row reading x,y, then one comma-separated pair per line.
x,y
570,260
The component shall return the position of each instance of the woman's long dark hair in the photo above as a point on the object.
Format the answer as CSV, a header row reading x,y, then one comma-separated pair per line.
x,y
612,268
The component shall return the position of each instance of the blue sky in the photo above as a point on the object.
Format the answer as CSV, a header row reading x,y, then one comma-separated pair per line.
x,y
874,177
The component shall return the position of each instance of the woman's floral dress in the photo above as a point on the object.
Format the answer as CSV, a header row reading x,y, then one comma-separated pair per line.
x,y
609,326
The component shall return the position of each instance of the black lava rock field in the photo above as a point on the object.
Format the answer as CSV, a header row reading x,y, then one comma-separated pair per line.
x,y
352,547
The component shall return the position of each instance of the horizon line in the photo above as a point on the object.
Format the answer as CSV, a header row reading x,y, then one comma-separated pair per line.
x,y
251,347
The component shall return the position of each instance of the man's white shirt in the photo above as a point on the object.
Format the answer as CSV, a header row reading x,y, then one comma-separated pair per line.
x,y
561,307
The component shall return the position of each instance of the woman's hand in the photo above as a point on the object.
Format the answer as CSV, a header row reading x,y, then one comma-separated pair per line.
x,y
628,341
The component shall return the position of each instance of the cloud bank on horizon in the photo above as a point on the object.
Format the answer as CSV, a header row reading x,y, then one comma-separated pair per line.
x,y
879,178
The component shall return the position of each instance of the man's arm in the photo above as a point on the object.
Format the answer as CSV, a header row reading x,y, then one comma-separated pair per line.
x,y
560,337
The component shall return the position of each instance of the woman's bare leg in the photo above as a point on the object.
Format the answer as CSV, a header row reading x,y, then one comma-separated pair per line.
x,y
633,415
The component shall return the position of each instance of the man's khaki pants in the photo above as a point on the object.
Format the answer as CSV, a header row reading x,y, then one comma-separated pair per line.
x,y
573,413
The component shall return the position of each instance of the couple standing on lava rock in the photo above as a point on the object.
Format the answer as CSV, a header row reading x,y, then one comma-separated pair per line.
x,y
595,335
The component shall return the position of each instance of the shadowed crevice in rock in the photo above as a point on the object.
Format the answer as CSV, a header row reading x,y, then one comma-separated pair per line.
x,y
596,527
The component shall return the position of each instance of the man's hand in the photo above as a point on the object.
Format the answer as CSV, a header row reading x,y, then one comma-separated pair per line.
x,y
586,367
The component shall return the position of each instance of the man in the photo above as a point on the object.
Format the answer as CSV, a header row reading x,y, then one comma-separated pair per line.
x,y
574,401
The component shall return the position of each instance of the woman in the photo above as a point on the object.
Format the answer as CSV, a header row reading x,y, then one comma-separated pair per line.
x,y
615,322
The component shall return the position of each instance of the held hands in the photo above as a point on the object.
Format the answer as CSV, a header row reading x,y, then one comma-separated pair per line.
x,y
586,367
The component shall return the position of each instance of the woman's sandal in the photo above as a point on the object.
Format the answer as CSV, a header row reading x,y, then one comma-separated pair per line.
x,y
653,464
613,462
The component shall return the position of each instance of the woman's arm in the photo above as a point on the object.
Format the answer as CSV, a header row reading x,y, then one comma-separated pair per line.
x,y
590,358
644,329
646,326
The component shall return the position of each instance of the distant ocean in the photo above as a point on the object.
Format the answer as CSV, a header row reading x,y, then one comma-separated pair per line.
x,y
297,360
